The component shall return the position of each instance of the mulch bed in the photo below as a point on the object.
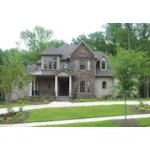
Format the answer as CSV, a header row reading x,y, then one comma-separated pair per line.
x,y
127,123
136,111
5,116
131,122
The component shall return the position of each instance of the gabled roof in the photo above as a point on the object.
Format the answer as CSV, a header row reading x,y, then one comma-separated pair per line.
x,y
100,55
63,70
82,42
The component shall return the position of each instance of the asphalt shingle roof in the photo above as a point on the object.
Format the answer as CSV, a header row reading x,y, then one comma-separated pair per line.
x,y
65,51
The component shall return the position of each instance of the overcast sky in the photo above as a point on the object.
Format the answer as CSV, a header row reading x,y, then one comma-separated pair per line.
x,y
66,18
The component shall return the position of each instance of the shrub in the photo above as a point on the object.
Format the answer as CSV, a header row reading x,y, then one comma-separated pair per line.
x,y
20,118
46,101
20,101
141,108
26,102
1,119
10,119
75,100
109,98
136,106
36,103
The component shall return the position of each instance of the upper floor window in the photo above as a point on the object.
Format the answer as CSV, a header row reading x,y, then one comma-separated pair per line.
x,y
50,62
82,86
65,65
104,84
82,64
88,65
103,64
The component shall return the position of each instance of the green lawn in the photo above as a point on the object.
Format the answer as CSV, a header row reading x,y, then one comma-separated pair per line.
x,y
53,114
11,105
143,122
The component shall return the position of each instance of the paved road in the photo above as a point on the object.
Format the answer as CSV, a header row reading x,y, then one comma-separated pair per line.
x,y
69,104
75,121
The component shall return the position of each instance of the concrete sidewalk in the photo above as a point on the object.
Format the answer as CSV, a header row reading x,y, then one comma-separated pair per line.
x,y
75,121
69,104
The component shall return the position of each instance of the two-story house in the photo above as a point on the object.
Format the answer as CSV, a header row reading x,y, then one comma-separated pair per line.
x,y
72,70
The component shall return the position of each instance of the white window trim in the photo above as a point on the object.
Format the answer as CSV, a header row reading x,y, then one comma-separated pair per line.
x,y
103,59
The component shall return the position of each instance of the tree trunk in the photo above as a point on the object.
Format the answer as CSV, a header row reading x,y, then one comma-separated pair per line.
x,y
147,88
125,110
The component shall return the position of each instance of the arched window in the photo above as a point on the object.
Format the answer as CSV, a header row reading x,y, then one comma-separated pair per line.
x,y
104,85
103,65
82,86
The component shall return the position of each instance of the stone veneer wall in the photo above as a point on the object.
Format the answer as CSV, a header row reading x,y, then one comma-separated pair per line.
x,y
82,52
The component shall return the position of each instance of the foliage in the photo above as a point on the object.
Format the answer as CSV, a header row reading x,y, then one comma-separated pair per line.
x,y
36,103
36,40
128,68
1,119
46,101
10,119
20,101
142,107
95,41
12,75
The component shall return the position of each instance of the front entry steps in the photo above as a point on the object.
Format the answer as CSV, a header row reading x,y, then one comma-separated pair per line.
x,y
63,98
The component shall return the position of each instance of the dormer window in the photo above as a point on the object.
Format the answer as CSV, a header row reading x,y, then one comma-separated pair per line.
x,y
103,65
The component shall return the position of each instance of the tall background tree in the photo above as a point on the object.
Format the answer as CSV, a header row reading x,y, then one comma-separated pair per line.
x,y
35,41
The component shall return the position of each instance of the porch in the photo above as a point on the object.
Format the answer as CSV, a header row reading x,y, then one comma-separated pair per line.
x,y
58,86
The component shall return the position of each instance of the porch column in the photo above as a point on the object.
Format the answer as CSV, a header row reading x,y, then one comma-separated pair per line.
x,y
70,86
30,89
56,86
34,87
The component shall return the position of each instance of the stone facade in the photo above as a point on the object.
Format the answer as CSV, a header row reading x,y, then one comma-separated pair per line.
x,y
82,52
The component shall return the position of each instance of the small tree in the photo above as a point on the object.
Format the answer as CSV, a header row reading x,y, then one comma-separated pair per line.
x,y
128,68
12,74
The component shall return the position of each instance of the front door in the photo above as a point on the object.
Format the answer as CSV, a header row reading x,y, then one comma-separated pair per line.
x,y
64,87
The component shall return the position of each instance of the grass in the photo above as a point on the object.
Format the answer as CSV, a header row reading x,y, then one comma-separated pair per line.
x,y
18,104
143,122
11,105
53,114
